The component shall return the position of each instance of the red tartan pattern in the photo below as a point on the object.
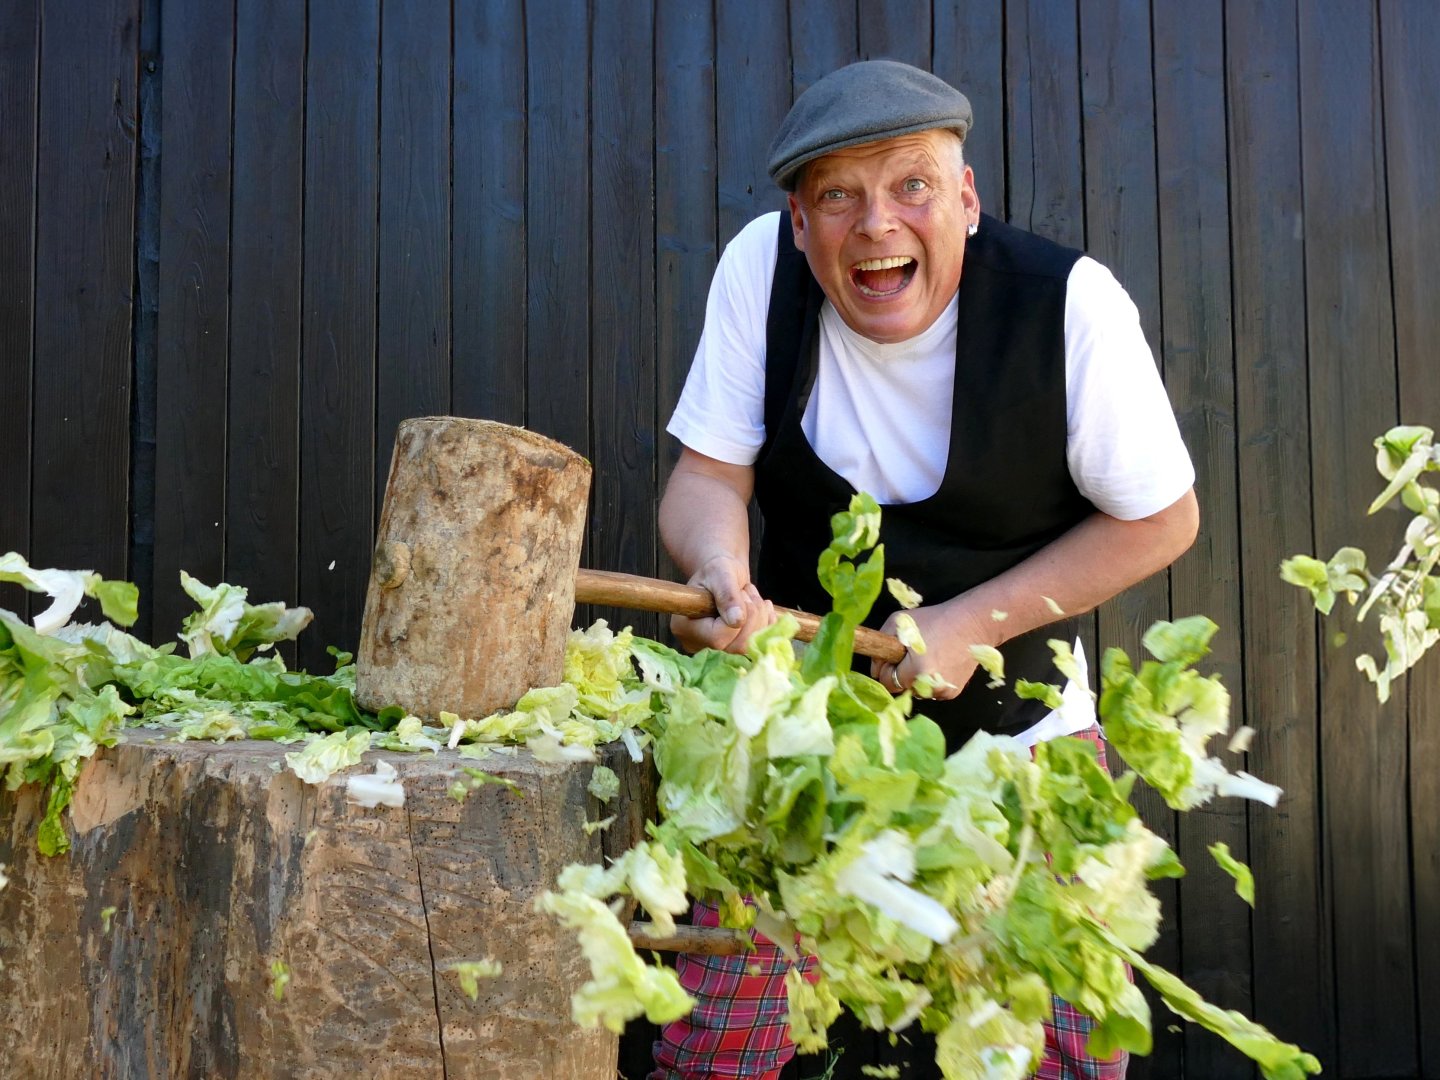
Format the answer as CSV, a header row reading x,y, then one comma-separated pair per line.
x,y
738,1027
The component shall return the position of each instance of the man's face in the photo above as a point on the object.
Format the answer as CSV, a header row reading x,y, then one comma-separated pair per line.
x,y
883,228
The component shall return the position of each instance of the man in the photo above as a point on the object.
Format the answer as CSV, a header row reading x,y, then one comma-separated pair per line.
x,y
993,391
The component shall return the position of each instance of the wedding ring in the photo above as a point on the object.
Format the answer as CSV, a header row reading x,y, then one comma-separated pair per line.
x,y
895,678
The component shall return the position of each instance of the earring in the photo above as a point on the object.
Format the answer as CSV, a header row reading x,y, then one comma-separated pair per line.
x,y
973,228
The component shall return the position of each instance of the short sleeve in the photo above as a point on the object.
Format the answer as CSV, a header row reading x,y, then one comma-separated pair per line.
x,y
721,411
1123,444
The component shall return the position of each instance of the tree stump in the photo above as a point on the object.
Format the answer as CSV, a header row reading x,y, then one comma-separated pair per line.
x,y
473,585
217,865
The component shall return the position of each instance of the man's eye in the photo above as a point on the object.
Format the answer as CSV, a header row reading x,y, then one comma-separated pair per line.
x,y
832,195
914,184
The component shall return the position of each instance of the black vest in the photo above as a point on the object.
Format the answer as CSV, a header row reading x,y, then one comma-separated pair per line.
x,y
1006,490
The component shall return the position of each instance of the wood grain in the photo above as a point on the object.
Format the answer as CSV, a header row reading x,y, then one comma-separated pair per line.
x,y
262,487
337,383
217,865
193,322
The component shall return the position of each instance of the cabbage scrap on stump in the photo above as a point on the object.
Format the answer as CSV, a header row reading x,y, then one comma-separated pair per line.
x,y
954,892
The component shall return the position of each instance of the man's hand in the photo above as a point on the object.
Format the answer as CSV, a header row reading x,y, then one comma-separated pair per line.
x,y
742,610
705,527
948,631
1083,568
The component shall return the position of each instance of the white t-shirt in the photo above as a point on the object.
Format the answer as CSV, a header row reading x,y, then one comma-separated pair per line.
x,y
879,415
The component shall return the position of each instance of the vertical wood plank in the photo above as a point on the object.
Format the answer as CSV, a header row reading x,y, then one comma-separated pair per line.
x,y
1293,979
685,251
896,30
558,221
1045,192
969,54
752,96
197,43
1200,375
19,74
1410,46
1352,399
823,36
413,335
263,463
752,87
84,271
337,390
1118,105
622,330
490,267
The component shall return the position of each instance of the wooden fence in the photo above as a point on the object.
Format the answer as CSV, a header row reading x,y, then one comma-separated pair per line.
x,y
241,239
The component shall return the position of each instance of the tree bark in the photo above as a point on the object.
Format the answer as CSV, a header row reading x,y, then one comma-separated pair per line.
x,y
473,585
217,865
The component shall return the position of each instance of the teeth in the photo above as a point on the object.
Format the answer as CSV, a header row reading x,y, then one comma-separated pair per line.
x,y
884,264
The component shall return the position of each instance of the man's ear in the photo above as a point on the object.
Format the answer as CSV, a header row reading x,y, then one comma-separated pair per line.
x,y
797,222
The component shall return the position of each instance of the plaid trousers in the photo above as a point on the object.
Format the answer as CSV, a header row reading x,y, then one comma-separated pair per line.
x,y
739,1030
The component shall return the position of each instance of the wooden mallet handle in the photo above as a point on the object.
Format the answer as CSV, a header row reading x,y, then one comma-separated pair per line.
x,y
671,598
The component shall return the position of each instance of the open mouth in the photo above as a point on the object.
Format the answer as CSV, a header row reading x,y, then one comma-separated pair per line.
x,y
880,278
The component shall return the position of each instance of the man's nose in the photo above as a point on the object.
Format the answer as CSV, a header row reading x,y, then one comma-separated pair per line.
x,y
877,217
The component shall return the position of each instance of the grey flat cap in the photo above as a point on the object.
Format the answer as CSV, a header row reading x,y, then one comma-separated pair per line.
x,y
863,103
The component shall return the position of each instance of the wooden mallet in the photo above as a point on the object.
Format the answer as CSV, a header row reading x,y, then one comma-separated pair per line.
x,y
475,578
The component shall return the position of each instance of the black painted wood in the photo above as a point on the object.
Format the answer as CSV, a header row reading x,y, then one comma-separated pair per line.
x,y
489,258
1410,47
685,243
1189,65
338,328
1351,336
84,270
823,37
1044,170
413,331
1118,109
896,30
1293,975
262,488
968,53
558,222
622,330
198,43
752,94
19,90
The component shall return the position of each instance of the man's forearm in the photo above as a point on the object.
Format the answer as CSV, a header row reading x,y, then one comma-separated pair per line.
x,y
705,514
1097,559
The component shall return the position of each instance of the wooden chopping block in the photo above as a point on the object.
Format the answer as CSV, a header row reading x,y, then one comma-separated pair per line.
x,y
147,950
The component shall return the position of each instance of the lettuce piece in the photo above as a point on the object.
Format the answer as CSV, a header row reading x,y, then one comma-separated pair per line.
x,y
1244,879
604,784
1161,718
67,588
621,986
1278,1060
878,875
226,624
470,972
322,757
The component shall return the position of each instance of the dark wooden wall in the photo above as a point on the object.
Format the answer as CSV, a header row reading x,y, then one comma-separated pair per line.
x,y
241,239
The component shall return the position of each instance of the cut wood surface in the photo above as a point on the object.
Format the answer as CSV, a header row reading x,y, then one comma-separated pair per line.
x,y
217,864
